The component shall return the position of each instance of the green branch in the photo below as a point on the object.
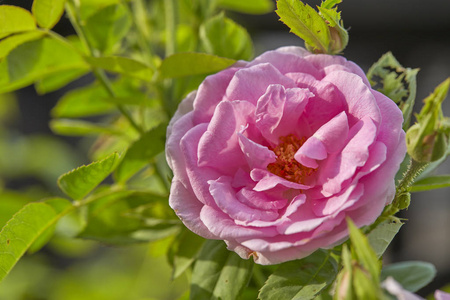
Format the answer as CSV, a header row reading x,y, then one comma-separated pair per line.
x,y
98,73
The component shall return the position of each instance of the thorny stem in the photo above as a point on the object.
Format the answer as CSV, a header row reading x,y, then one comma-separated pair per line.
x,y
415,168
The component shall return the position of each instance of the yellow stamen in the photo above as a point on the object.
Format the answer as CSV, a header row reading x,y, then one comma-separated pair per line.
x,y
286,166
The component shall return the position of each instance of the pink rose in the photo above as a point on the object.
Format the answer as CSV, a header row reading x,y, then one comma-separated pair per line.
x,y
272,155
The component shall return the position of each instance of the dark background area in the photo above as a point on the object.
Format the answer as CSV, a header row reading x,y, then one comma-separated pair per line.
x,y
416,32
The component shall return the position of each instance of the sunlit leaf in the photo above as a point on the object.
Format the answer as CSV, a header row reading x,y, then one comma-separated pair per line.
x,y
10,43
15,19
42,240
301,279
363,251
122,65
412,275
26,226
431,183
127,217
34,60
141,153
305,22
10,203
223,37
186,64
82,102
219,273
89,7
81,181
72,127
396,82
106,27
382,236
95,100
48,12
248,7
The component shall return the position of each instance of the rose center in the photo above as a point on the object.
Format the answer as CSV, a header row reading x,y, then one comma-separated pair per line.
x,y
286,166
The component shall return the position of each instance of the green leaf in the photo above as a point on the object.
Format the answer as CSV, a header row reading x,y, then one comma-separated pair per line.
x,y
83,102
412,275
48,12
122,65
107,27
187,64
427,140
184,251
219,273
10,203
26,226
141,153
14,19
248,6
396,82
10,43
94,100
382,235
71,127
223,37
58,80
431,167
363,252
81,181
127,217
301,279
35,60
338,34
364,286
305,22
431,183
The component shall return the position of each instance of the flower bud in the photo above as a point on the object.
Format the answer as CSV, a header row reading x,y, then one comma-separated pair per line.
x,y
339,39
427,140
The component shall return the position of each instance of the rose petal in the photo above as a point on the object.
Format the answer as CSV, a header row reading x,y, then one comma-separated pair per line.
x,y
210,93
260,200
329,206
329,62
340,167
257,156
286,62
219,146
196,176
358,96
326,95
223,227
251,83
225,197
187,207
267,181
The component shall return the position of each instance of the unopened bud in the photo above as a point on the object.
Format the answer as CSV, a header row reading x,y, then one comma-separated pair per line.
x,y
427,140
339,39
